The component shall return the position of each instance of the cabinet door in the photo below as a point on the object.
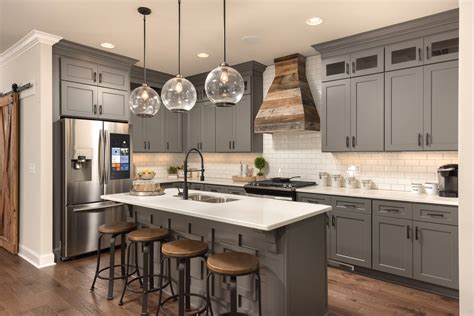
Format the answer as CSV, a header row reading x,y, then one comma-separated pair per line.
x,y
335,114
215,188
113,104
194,121
367,113
441,106
442,47
404,109
404,55
435,254
367,62
351,238
155,132
137,129
236,191
392,250
78,71
242,140
78,100
336,68
224,129
113,78
174,135
208,131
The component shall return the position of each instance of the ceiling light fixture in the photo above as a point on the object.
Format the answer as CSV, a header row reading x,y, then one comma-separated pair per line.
x,y
224,85
178,94
107,45
203,55
144,101
315,20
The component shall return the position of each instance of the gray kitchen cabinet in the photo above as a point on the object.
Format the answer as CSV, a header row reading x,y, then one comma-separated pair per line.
x,y
201,128
438,214
441,105
113,78
194,127
351,238
404,54
224,129
336,68
154,131
137,130
367,113
404,109
366,62
435,254
392,246
196,186
112,104
78,100
335,115
242,124
79,71
442,47
236,191
215,188
173,132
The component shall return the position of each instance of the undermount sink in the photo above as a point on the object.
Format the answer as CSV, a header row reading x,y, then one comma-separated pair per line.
x,y
210,198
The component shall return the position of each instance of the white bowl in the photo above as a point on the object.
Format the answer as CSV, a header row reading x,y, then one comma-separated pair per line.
x,y
147,176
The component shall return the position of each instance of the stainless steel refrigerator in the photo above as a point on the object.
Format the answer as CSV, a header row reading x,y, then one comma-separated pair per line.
x,y
96,160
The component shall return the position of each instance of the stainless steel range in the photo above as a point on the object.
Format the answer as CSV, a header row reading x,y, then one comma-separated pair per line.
x,y
276,188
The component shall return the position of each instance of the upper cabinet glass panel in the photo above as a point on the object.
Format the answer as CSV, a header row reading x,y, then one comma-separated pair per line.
x,y
404,54
335,68
367,62
442,47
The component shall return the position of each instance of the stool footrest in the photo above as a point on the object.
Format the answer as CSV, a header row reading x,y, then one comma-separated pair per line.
x,y
117,277
149,290
201,309
234,314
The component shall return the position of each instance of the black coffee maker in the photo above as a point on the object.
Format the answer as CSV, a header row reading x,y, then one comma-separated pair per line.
x,y
448,180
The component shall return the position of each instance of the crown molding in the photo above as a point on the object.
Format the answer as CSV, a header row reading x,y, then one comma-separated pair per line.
x,y
27,42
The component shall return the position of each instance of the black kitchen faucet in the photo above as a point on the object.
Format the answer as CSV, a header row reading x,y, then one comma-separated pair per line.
x,y
185,188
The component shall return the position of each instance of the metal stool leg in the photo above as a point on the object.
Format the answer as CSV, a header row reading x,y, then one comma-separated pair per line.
x,y
181,268
162,261
259,293
169,277
123,246
98,262
151,280
146,278
110,294
187,283
208,292
126,275
136,263
233,295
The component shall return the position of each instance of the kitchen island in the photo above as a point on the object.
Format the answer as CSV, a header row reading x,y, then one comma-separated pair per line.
x,y
289,239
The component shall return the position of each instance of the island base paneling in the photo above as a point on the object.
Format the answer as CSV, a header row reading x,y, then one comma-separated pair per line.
x,y
292,262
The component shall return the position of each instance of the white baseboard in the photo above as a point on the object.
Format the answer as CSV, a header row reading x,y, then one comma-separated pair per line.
x,y
39,261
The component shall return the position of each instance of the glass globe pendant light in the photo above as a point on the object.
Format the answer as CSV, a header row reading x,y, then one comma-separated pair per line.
x,y
144,101
178,94
224,85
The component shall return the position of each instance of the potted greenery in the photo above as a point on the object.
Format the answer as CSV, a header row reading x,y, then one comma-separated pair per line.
x,y
260,163
173,172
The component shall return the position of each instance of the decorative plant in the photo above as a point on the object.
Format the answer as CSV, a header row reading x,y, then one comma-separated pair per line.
x,y
260,164
172,170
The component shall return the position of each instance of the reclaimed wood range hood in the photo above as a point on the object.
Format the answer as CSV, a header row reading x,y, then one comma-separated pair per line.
x,y
289,104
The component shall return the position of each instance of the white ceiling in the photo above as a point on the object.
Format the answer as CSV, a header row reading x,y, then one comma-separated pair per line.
x,y
279,25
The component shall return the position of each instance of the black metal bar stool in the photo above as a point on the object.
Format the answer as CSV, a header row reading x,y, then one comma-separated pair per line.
x,y
183,250
118,229
147,237
234,264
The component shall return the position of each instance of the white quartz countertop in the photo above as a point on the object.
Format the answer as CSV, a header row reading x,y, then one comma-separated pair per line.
x,y
257,213
359,193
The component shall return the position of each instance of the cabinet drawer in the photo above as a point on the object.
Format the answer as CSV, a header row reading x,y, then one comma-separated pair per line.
x,y
196,186
393,209
236,191
348,204
436,214
215,188
314,198
80,71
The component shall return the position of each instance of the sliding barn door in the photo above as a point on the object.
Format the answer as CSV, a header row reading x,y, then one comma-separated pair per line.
x,y
9,188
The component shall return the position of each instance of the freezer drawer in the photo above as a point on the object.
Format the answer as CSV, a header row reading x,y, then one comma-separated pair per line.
x,y
81,223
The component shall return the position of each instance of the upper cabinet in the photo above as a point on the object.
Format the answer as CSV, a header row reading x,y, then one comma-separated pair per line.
x,y
404,55
201,128
90,83
442,47
359,63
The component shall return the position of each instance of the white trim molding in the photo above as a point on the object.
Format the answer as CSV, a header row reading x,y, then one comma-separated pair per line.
x,y
24,44
39,261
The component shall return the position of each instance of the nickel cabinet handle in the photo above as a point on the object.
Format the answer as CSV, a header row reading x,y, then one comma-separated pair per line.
x,y
416,232
419,53
100,78
327,219
435,215
347,68
408,232
233,144
333,221
353,67
347,141
95,108
230,144
148,145
144,143
428,141
353,141
95,76
100,109
427,52
167,145
392,210
420,139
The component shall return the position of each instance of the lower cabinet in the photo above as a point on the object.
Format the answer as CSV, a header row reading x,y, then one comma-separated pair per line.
x,y
351,238
435,254
215,188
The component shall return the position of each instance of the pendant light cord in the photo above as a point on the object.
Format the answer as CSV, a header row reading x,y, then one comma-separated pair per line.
x,y
225,39
144,48
179,37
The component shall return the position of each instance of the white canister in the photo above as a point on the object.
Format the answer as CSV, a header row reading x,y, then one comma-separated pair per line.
x,y
431,188
324,179
366,184
417,188
336,181
352,182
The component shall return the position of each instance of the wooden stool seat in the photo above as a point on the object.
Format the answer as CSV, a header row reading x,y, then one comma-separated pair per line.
x,y
233,263
184,248
148,234
118,228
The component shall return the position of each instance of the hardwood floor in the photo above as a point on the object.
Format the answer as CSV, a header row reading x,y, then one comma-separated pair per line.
x,y
64,290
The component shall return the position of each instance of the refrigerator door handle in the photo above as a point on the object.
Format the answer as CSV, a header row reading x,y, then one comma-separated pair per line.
x,y
107,157
97,207
101,157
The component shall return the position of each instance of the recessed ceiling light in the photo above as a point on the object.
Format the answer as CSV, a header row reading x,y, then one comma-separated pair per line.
x,y
315,20
251,39
203,55
107,45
